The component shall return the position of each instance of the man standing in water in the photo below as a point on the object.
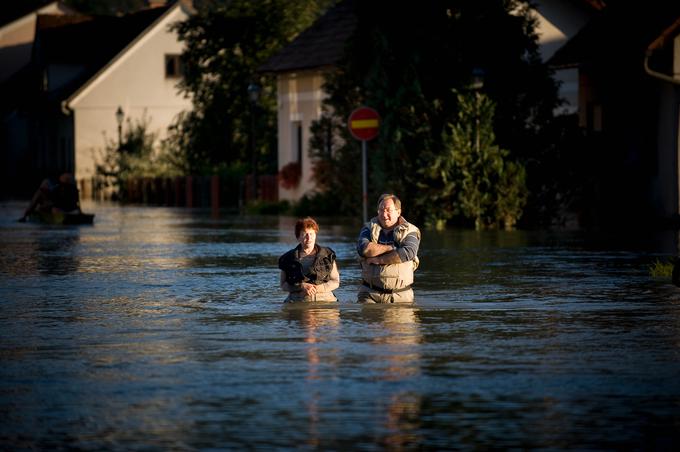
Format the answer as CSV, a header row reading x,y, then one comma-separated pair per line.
x,y
388,248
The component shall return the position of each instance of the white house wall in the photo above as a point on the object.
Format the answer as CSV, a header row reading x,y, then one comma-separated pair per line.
x,y
299,100
136,82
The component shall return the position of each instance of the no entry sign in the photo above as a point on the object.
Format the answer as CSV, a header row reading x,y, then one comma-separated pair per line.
x,y
363,123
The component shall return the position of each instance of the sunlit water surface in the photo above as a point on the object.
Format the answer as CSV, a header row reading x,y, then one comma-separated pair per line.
x,y
164,329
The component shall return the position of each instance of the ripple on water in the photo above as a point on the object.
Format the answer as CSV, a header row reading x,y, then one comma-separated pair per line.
x,y
163,328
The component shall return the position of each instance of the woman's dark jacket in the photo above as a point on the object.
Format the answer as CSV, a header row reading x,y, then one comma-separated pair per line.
x,y
319,272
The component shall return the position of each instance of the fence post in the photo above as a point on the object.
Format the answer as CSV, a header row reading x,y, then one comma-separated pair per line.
x,y
178,191
189,191
215,194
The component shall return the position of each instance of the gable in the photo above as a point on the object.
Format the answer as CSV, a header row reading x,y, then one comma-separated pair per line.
x,y
17,32
131,66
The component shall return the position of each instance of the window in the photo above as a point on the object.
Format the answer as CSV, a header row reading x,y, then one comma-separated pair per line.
x,y
173,66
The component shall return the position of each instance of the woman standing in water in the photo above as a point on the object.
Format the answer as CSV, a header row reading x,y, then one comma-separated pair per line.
x,y
309,271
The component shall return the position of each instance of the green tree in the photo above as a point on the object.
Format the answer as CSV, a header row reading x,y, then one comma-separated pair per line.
x,y
407,61
480,182
225,42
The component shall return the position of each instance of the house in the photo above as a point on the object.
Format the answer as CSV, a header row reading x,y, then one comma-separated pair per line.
x,y
17,32
61,108
301,65
628,60
557,21
300,68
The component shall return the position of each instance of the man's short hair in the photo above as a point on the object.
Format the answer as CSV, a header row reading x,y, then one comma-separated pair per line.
x,y
305,223
386,196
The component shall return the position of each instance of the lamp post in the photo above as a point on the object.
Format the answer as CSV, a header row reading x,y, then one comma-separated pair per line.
x,y
120,116
477,84
253,96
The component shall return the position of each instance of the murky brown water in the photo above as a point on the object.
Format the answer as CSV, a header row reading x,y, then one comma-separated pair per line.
x,y
163,329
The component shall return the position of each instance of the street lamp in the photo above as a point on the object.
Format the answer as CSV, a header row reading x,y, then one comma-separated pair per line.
x,y
477,78
120,116
477,84
254,96
254,92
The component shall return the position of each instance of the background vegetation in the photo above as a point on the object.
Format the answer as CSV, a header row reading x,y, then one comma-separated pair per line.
x,y
490,156
225,43
415,64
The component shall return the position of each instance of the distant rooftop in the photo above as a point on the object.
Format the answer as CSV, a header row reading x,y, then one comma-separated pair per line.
x,y
621,27
13,10
322,44
89,40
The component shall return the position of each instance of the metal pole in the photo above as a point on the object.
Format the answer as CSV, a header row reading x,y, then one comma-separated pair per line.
x,y
364,179
477,97
253,150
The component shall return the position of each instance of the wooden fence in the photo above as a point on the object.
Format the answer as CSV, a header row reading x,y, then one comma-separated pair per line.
x,y
190,191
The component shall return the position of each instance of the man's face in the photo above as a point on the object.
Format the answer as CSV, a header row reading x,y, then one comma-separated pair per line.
x,y
387,214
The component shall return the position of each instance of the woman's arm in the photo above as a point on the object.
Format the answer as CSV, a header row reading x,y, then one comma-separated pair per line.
x,y
334,281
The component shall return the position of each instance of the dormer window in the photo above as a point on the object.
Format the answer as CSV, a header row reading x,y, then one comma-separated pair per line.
x,y
173,66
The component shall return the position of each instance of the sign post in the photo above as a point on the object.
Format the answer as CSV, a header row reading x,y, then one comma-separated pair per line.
x,y
363,124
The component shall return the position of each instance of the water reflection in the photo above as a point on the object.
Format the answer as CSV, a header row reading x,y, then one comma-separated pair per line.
x,y
403,421
320,324
57,255
43,250
164,330
398,354
398,339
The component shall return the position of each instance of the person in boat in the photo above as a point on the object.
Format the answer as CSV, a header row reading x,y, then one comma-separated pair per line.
x,y
388,255
309,272
55,194
67,197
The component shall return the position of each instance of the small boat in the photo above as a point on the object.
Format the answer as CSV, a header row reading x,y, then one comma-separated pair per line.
x,y
61,218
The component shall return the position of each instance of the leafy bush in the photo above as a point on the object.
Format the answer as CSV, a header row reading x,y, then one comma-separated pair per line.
x,y
661,269
289,176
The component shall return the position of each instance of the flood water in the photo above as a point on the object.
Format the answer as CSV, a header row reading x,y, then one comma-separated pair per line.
x,y
164,329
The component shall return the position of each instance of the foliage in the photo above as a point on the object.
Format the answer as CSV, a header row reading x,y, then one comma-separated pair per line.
x,y
318,204
225,43
268,208
290,174
408,62
661,269
106,7
135,157
472,175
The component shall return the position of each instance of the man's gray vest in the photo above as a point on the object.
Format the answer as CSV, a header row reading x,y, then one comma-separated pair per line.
x,y
390,276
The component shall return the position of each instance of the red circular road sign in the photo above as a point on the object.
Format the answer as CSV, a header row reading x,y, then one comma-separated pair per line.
x,y
363,123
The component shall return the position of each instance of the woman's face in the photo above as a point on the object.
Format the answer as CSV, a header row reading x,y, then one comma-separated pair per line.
x,y
307,238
